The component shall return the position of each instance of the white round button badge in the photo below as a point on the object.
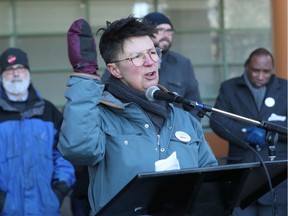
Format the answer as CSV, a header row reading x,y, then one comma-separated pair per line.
x,y
182,136
269,102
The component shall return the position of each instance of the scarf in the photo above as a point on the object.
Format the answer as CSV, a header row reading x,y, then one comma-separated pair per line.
x,y
157,111
258,93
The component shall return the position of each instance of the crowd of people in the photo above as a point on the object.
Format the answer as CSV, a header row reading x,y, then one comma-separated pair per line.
x,y
109,131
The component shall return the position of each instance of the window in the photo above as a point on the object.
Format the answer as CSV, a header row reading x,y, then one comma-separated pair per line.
x,y
217,35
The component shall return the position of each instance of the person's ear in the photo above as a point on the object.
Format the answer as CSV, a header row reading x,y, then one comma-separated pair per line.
x,y
114,70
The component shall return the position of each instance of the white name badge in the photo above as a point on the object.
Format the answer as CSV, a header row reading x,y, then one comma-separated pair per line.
x,y
182,136
269,102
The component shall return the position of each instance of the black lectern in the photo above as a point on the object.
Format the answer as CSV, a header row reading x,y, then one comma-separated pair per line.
x,y
222,187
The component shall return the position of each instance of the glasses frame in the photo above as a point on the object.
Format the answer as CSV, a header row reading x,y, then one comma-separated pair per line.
x,y
157,49
11,70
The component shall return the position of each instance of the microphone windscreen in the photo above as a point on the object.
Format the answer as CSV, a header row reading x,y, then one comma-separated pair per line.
x,y
150,92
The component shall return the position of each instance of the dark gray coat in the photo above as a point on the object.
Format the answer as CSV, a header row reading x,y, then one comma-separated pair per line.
x,y
235,97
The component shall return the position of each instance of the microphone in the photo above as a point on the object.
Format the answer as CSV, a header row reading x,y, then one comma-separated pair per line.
x,y
153,93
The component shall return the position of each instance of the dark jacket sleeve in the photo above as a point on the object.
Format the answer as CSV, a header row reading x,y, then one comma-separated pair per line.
x,y
177,75
226,127
2,199
61,189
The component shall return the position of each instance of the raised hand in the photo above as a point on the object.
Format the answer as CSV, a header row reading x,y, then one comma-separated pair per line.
x,y
81,48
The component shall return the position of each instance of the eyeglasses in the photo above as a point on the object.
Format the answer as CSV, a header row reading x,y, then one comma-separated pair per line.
x,y
10,70
139,58
163,31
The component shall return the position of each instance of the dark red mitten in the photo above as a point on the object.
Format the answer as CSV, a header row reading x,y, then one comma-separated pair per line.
x,y
81,48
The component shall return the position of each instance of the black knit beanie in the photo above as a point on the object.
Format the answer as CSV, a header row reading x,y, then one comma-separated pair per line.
x,y
13,56
156,18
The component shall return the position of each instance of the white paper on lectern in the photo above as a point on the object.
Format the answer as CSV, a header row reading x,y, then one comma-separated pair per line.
x,y
170,163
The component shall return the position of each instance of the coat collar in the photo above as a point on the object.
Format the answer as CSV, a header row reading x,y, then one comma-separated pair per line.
x,y
247,102
109,100
169,57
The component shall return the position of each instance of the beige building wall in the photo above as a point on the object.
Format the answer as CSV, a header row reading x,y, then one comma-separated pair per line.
x,y
279,17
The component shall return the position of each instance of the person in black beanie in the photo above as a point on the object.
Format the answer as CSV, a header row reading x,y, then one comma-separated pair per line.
x,y
13,56
176,72
34,177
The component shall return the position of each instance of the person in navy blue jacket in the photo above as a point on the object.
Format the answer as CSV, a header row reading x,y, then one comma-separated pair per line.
x,y
176,72
262,96
34,177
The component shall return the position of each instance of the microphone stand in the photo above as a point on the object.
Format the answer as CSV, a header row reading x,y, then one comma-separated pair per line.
x,y
272,130
271,139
